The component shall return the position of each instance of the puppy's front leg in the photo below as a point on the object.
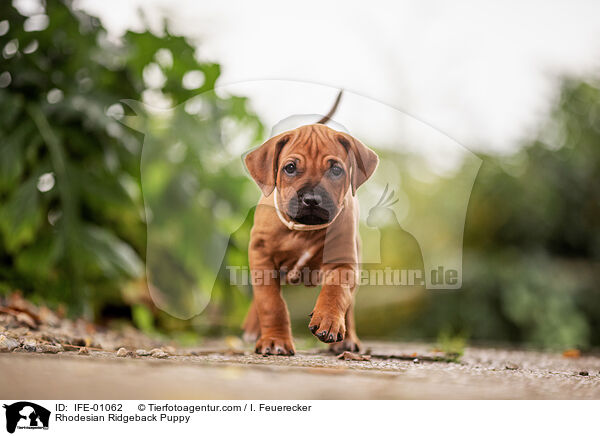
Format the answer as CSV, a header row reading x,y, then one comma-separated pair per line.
x,y
273,317
328,318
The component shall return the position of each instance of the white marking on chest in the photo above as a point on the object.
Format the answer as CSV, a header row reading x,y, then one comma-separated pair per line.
x,y
293,275
303,259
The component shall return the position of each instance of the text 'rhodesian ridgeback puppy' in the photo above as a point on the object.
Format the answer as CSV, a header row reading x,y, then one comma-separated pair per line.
x,y
306,231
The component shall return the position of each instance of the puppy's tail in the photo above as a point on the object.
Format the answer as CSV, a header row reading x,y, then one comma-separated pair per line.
x,y
327,117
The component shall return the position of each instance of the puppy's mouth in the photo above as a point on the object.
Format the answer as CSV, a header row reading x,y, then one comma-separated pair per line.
x,y
311,215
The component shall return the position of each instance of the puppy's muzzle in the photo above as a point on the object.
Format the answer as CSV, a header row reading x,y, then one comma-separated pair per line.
x,y
311,206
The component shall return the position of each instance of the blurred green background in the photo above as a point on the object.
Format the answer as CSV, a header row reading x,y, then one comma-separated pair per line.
x,y
72,220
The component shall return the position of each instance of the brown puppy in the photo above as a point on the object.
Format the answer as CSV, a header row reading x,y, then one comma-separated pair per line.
x,y
305,223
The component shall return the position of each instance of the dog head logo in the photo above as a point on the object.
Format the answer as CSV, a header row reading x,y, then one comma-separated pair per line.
x,y
26,415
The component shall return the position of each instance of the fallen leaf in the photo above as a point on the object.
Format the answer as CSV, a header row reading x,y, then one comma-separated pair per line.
x,y
25,318
572,353
348,355
123,352
234,343
159,354
49,348
46,316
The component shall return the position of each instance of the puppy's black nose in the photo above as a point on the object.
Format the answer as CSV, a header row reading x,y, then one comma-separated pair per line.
x,y
311,199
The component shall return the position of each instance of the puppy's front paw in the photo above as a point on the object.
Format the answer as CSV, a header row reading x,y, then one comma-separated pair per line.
x,y
327,327
275,344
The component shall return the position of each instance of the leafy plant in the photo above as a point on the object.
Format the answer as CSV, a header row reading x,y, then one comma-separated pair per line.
x,y
72,219
452,345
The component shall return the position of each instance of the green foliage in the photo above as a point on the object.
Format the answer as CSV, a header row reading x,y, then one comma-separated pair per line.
x,y
453,345
540,236
72,220
532,238
143,318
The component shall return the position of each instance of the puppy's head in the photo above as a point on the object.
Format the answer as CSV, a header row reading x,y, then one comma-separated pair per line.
x,y
312,167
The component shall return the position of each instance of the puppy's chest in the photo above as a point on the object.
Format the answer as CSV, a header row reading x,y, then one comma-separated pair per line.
x,y
299,253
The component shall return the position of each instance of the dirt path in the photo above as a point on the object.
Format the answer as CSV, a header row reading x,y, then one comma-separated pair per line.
x,y
482,373
41,357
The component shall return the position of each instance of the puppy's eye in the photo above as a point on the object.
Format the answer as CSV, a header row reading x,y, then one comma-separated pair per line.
x,y
336,171
290,169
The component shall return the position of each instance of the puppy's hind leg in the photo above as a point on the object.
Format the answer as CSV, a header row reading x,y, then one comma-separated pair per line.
x,y
251,325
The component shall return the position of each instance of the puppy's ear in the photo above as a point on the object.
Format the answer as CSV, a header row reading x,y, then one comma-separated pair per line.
x,y
262,162
363,160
